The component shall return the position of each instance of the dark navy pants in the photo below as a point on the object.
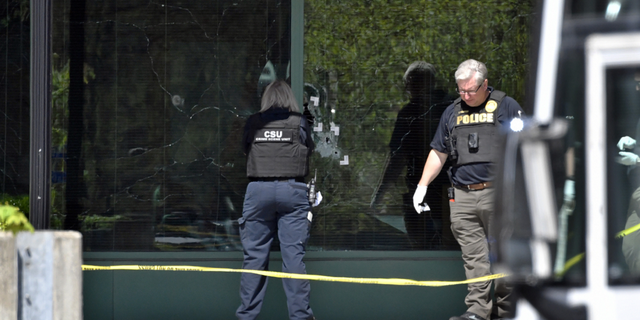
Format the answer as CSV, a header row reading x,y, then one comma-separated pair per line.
x,y
270,207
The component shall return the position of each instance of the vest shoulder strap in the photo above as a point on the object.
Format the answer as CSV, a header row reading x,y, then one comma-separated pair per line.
x,y
498,96
457,106
294,119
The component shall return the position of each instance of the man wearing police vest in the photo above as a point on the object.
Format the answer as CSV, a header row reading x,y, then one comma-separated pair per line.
x,y
278,143
468,135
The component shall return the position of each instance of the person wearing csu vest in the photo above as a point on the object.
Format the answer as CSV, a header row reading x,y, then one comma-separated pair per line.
x,y
468,135
277,142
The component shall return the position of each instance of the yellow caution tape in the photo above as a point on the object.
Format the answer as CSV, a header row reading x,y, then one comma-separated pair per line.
x,y
385,281
626,232
580,256
573,261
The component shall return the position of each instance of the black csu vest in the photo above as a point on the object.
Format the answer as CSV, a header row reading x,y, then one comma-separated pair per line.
x,y
276,150
475,134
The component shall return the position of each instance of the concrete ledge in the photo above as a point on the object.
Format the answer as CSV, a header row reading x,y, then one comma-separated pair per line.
x,y
50,275
8,277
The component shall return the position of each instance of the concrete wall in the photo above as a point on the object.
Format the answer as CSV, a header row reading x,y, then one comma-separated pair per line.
x,y
41,275
8,277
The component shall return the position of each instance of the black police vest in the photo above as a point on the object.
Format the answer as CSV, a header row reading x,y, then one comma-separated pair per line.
x,y
475,134
276,150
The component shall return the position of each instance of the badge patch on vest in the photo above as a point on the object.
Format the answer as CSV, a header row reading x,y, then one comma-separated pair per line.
x,y
474,118
491,106
275,135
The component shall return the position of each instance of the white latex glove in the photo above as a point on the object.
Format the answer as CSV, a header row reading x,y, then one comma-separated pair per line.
x,y
626,142
569,190
318,199
627,158
418,198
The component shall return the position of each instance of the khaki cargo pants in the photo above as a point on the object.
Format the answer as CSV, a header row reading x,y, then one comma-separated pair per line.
x,y
471,216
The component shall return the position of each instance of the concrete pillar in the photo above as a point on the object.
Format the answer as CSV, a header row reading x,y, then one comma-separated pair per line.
x,y
50,273
8,277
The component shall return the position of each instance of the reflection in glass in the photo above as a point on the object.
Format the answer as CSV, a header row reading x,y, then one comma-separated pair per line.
x,y
153,97
569,263
164,94
356,54
413,131
623,102
611,10
14,110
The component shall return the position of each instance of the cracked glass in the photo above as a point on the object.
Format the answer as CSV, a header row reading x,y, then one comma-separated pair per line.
x,y
150,99
15,125
146,132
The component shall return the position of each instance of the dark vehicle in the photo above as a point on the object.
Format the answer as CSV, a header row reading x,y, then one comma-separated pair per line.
x,y
566,207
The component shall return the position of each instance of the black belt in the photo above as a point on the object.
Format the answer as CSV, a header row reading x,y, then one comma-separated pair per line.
x,y
281,179
475,186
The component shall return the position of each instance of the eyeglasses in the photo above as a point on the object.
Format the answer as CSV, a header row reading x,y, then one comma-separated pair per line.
x,y
462,92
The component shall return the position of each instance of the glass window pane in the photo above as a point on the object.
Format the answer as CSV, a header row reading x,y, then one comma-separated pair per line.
x,y
373,129
569,263
623,185
14,104
164,92
147,152
608,9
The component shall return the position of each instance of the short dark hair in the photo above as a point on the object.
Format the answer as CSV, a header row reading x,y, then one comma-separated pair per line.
x,y
419,71
278,94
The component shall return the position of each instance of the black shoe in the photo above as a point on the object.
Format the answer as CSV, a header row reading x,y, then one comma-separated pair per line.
x,y
468,316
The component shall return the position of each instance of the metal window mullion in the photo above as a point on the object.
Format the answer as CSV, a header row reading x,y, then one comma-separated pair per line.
x,y
297,50
40,126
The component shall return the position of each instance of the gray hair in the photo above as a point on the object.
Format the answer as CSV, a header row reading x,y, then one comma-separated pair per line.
x,y
472,68
278,94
